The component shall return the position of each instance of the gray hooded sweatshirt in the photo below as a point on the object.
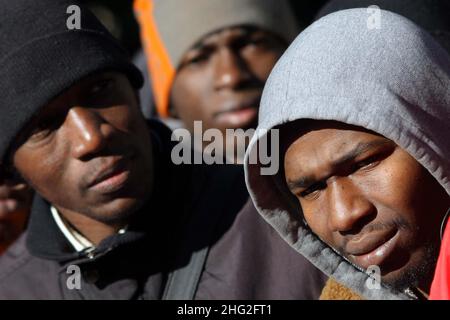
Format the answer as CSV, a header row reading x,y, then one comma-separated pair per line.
x,y
379,71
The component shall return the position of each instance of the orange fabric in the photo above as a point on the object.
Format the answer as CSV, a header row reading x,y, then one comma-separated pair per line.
x,y
440,288
158,61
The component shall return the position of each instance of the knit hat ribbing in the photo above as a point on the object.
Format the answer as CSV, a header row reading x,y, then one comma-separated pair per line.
x,y
171,27
40,58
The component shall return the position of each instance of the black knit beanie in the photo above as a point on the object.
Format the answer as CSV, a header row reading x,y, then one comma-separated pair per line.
x,y
431,15
40,57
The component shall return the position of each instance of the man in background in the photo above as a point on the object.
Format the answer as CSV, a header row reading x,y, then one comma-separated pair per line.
x,y
208,61
15,202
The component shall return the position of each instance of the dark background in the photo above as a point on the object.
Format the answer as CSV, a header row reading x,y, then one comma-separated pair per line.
x,y
117,16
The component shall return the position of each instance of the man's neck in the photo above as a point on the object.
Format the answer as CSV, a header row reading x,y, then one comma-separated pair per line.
x,y
93,230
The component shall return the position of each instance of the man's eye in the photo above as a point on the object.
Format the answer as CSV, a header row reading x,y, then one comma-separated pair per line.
x,y
262,43
367,164
310,195
314,191
41,133
197,59
257,42
46,127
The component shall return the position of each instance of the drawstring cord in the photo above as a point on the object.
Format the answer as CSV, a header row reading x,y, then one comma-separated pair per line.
x,y
443,223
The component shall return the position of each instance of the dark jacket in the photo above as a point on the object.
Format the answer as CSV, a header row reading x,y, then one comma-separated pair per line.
x,y
133,265
228,251
195,209
252,261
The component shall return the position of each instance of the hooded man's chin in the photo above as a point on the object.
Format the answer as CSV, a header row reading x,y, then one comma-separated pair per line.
x,y
418,275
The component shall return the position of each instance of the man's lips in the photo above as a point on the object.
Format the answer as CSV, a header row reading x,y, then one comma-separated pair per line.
x,y
239,114
111,177
373,248
239,118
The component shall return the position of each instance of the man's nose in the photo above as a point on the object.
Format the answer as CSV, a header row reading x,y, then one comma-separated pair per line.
x,y
231,71
349,209
88,132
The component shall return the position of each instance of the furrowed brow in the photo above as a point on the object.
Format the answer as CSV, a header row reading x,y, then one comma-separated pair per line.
x,y
306,181
301,183
360,148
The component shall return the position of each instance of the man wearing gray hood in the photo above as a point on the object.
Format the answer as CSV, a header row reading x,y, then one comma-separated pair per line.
x,y
361,100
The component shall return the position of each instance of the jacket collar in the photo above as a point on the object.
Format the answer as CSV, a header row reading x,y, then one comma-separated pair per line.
x,y
46,240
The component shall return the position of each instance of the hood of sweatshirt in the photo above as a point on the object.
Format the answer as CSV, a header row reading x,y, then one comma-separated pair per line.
x,y
372,69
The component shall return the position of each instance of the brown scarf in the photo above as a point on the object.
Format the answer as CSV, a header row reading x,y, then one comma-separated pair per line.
x,y
336,291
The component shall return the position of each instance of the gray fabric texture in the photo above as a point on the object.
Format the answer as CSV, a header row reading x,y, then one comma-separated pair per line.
x,y
394,80
182,23
431,15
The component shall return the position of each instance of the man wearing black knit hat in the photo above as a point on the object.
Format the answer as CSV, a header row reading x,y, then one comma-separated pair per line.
x,y
104,223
